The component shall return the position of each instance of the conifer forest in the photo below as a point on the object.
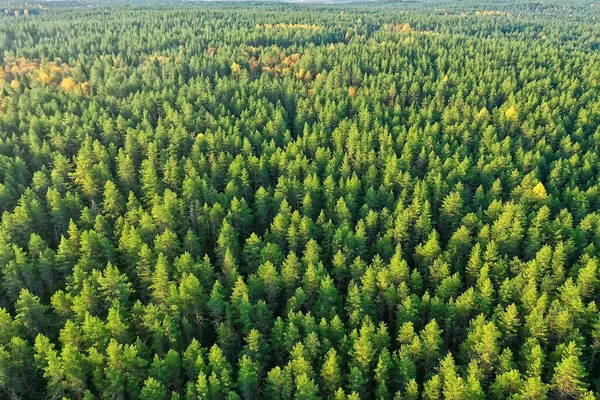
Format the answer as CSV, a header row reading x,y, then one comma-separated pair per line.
x,y
391,200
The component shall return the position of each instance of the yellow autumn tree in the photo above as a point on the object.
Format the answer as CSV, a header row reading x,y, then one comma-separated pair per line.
x,y
404,28
86,88
352,92
44,77
512,114
539,191
68,84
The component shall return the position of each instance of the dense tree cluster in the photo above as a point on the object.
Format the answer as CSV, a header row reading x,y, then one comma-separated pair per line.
x,y
391,201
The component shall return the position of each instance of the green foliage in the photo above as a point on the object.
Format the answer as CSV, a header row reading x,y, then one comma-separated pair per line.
x,y
397,200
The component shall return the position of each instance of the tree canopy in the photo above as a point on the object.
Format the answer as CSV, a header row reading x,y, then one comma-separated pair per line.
x,y
392,200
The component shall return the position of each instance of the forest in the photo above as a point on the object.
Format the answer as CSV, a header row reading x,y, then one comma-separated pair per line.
x,y
384,200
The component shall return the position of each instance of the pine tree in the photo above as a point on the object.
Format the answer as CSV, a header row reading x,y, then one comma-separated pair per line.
x,y
113,204
248,378
331,373
568,380
153,390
